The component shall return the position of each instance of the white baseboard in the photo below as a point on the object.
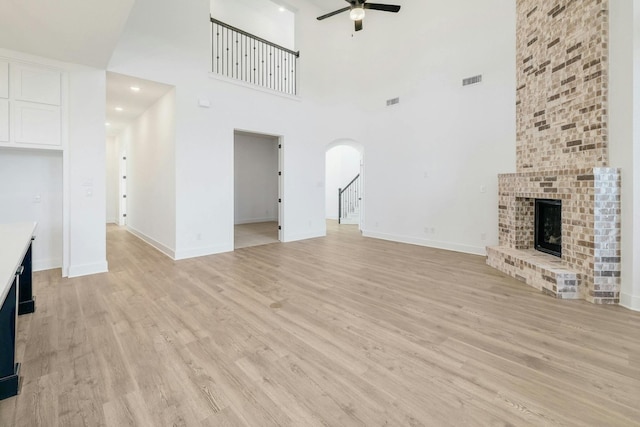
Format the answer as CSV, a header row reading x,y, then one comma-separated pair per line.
x,y
350,221
204,251
88,269
632,302
456,247
46,264
180,254
303,236
159,246
255,220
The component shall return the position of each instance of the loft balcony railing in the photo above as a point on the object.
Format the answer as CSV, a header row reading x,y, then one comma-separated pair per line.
x,y
251,59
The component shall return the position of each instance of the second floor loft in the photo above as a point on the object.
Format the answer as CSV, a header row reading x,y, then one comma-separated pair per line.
x,y
237,54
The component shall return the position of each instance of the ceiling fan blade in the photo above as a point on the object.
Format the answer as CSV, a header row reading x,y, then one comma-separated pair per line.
x,y
384,7
335,12
358,25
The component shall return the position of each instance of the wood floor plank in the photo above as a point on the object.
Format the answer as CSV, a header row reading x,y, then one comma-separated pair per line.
x,y
334,331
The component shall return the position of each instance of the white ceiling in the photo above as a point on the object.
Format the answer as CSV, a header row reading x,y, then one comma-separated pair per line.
x,y
119,94
77,31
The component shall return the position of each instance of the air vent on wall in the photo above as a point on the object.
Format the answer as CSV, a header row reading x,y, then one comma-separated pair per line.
x,y
472,80
392,101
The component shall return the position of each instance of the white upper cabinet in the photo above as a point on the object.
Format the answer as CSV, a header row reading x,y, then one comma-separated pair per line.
x,y
31,105
4,120
37,124
4,79
34,84
4,102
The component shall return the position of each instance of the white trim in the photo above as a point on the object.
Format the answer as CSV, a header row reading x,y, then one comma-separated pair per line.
x,y
148,240
66,181
256,220
199,252
236,82
47,264
304,236
88,269
456,247
632,302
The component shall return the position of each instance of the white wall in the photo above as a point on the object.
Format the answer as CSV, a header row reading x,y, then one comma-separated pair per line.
x,y
112,180
255,178
430,158
342,165
461,137
87,171
31,190
150,150
179,55
262,18
631,285
83,167
624,136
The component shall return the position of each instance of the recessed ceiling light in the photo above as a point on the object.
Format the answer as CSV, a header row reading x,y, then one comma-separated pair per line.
x,y
107,124
118,108
135,88
282,9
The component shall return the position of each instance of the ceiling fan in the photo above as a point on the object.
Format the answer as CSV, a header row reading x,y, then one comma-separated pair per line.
x,y
356,10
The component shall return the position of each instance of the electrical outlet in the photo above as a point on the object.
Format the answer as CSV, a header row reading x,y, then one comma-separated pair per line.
x,y
483,236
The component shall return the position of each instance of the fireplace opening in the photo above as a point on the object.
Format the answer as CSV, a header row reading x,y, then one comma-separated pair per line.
x,y
548,226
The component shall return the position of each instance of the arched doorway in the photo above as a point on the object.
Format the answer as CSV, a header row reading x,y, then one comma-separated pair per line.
x,y
344,182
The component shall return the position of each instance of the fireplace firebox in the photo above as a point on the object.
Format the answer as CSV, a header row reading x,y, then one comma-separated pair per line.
x,y
548,226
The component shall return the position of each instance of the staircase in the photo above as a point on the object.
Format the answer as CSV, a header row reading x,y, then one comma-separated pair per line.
x,y
349,199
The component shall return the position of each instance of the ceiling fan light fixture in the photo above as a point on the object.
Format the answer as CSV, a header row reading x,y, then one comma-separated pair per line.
x,y
356,14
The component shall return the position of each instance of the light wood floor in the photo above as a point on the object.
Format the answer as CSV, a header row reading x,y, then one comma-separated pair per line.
x,y
335,331
255,234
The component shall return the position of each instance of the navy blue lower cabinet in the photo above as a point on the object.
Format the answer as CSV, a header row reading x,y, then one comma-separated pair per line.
x,y
26,300
9,369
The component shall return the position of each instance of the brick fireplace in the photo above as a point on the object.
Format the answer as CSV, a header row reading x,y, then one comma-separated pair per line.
x,y
562,154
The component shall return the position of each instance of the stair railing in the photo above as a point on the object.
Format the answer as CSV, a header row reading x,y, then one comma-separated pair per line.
x,y
240,55
349,198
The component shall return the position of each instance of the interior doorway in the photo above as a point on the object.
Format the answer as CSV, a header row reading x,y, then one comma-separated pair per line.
x,y
257,189
344,177
140,157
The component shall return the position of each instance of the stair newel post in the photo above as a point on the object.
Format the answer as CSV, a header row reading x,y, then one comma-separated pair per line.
x,y
339,204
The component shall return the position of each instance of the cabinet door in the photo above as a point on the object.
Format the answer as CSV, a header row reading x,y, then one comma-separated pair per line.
x,y
4,120
4,79
34,84
36,123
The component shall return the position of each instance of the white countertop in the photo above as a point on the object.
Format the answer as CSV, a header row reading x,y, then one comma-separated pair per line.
x,y
14,243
